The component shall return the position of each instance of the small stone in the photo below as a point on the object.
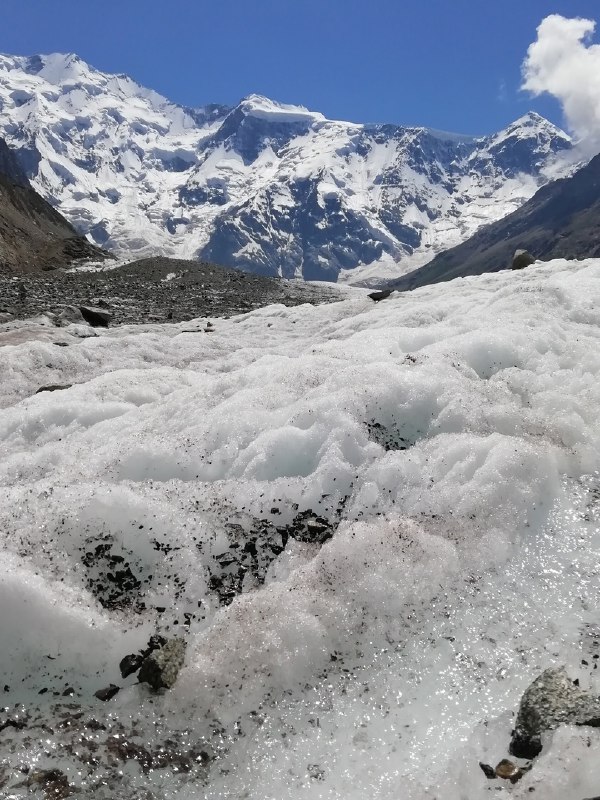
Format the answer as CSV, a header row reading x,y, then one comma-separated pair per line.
x,y
522,259
488,771
508,771
316,772
161,668
130,664
108,693
154,643
382,295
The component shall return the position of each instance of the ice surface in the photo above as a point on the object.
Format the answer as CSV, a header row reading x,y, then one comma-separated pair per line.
x,y
448,438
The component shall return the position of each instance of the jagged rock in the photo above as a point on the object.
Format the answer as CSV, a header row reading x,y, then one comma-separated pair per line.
x,y
54,387
522,259
489,772
161,668
97,317
108,693
130,664
5,317
69,315
550,701
377,296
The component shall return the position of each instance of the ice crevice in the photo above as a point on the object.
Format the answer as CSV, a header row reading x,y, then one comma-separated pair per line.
x,y
374,525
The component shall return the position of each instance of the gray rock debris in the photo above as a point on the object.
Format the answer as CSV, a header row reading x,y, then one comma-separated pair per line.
x,y
550,701
161,668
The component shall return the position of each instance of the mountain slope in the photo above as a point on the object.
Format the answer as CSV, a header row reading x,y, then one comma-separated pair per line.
x,y
562,220
263,187
33,235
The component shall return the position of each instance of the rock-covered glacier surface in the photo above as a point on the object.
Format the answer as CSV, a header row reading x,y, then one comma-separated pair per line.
x,y
264,187
374,525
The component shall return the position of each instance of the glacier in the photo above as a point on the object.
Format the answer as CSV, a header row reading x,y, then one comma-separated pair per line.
x,y
449,440
264,187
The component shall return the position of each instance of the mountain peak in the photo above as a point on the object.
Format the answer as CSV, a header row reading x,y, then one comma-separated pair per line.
x,y
257,105
266,186
532,121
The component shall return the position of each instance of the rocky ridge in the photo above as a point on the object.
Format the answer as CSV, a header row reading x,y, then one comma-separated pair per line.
x,y
33,235
560,221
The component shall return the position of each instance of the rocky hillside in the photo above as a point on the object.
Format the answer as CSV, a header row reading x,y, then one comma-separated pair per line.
x,y
263,187
562,220
33,235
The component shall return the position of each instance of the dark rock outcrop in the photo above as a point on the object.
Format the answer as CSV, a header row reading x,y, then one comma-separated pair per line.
x,y
560,221
33,235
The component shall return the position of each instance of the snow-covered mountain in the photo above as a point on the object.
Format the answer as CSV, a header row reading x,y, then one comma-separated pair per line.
x,y
264,187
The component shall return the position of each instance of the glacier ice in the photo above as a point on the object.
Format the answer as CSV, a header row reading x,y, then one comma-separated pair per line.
x,y
386,662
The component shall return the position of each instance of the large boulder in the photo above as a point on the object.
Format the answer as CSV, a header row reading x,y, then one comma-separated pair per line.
x,y
97,317
70,315
550,701
522,259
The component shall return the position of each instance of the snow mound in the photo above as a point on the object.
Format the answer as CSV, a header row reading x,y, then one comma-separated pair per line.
x,y
374,524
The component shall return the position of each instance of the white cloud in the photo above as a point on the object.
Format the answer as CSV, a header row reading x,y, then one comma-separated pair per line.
x,y
564,63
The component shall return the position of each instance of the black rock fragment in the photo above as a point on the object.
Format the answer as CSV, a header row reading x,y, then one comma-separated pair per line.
x,y
54,387
130,664
488,771
108,693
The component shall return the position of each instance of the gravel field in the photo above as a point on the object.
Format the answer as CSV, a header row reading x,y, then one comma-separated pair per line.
x,y
155,290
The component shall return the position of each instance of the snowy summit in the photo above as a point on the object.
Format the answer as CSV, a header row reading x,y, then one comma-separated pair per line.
x,y
264,187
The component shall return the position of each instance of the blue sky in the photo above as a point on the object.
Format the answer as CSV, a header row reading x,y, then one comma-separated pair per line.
x,y
448,64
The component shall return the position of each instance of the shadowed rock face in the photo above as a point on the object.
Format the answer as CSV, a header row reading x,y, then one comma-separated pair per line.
x,y
562,220
33,235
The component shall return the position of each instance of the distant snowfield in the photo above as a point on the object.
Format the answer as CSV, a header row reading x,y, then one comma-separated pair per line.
x,y
386,663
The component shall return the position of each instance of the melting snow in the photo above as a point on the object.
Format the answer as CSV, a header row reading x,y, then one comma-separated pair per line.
x,y
449,439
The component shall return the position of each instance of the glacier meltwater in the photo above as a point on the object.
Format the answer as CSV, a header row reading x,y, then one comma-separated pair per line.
x,y
373,525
